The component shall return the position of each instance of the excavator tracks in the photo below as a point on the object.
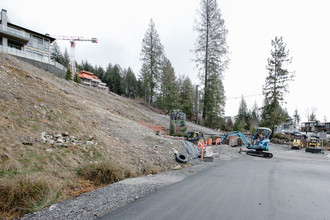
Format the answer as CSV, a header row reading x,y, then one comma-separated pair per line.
x,y
259,154
256,153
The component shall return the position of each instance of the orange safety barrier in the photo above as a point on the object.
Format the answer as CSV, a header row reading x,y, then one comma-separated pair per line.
x,y
217,141
201,144
155,128
209,142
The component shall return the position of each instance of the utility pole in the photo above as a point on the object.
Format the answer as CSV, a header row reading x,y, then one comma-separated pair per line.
x,y
196,104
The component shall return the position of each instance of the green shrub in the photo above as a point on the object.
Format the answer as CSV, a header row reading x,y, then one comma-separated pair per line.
x,y
280,136
252,129
68,75
76,78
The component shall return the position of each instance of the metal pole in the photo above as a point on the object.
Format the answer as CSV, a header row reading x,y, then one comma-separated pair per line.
x,y
322,147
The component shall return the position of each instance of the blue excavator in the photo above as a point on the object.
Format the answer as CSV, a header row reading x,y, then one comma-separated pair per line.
x,y
259,142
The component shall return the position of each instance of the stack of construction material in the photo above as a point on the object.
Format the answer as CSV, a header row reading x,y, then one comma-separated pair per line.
x,y
234,141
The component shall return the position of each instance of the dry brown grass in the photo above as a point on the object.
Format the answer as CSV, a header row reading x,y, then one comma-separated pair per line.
x,y
27,194
104,173
34,101
151,169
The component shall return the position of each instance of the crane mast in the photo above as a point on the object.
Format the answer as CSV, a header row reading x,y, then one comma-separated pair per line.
x,y
73,40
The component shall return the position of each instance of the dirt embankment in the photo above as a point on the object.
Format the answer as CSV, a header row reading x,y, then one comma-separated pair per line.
x,y
52,130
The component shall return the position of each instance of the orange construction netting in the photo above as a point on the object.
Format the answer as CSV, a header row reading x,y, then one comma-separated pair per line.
x,y
155,128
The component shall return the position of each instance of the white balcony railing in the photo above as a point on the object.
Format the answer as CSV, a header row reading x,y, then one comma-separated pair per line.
x,y
14,31
31,56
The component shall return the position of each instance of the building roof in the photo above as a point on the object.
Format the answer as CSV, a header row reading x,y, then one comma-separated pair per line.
x,y
88,75
51,39
27,30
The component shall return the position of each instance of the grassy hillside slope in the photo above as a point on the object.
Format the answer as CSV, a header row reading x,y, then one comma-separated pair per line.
x,y
59,139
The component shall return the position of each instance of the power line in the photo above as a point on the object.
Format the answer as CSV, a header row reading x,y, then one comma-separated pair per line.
x,y
244,96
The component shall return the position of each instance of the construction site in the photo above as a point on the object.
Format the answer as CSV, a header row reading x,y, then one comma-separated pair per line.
x,y
50,128
78,151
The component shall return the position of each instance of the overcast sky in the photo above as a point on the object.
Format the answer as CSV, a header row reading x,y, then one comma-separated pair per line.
x,y
120,26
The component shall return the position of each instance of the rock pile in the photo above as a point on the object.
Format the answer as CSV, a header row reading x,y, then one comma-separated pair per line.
x,y
63,139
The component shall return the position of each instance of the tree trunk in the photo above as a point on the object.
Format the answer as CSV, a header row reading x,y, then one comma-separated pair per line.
x,y
206,93
196,104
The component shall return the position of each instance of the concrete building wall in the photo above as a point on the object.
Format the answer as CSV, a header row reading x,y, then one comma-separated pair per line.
x,y
45,66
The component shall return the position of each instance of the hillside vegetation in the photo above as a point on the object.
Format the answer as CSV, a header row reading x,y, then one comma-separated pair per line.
x,y
59,139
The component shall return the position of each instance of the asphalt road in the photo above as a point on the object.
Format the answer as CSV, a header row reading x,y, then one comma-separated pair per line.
x,y
283,187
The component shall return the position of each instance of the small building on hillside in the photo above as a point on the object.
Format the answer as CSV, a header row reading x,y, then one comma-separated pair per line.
x,y
288,126
88,79
22,42
327,127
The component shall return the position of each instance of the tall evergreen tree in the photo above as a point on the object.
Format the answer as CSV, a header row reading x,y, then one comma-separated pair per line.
x,y
152,53
145,83
86,66
277,81
66,58
129,83
255,116
230,125
106,77
56,54
211,58
168,96
276,84
139,88
242,118
296,118
115,80
99,72
187,97
214,106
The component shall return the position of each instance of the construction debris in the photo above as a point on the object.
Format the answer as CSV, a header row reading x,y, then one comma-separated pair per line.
x,y
191,149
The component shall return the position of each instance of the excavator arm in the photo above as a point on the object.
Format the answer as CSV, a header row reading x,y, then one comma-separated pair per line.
x,y
257,145
235,133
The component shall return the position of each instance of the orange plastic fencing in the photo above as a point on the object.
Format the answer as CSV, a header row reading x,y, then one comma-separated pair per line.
x,y
155,128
